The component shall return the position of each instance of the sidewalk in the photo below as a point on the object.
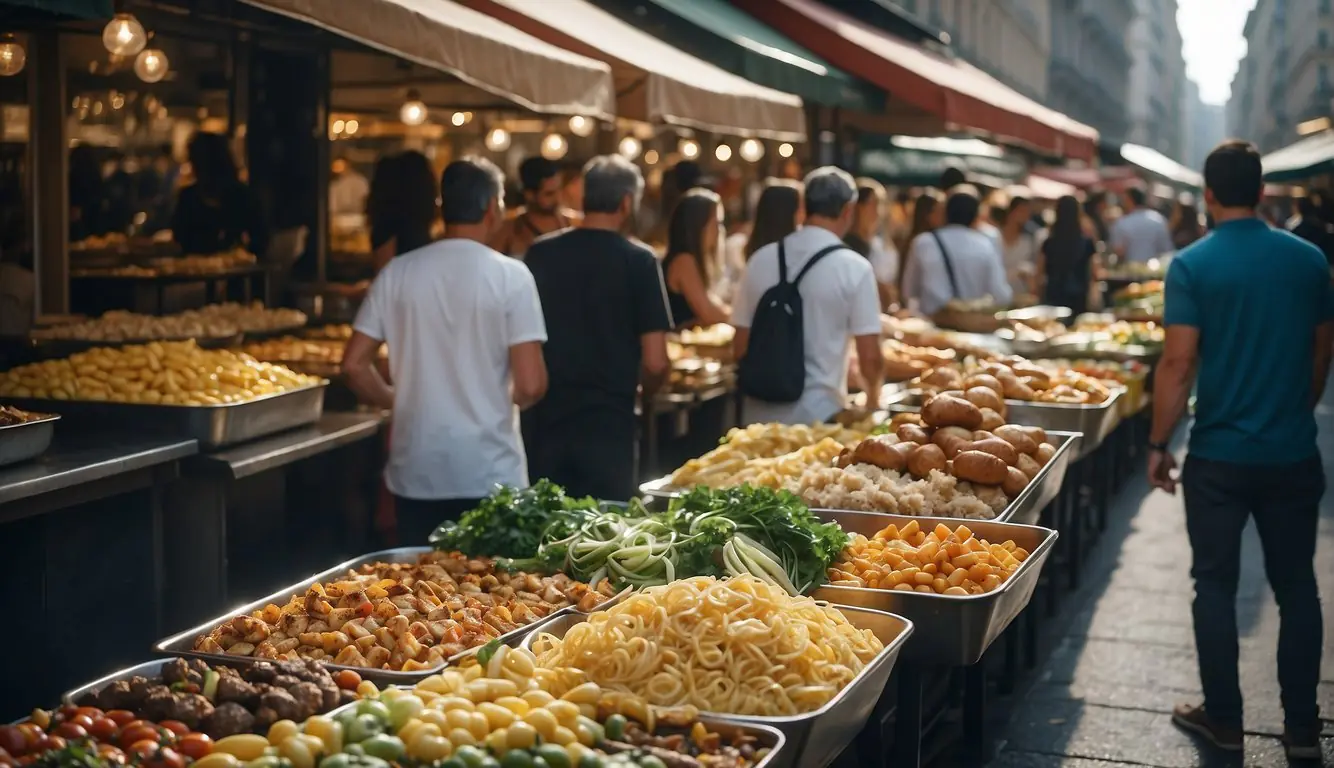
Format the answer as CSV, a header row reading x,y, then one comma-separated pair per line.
x,y
1125,655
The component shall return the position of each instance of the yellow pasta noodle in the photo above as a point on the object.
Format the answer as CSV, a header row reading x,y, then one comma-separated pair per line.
x,y
738,646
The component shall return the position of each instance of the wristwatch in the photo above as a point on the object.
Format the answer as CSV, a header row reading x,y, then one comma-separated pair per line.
x,y
1160,447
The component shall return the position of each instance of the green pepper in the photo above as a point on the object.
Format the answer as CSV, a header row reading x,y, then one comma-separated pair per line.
x,y
385,747
210,689
615,727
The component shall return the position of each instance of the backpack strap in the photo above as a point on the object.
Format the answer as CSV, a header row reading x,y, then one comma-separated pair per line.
x,y
949,266
782,261
820,254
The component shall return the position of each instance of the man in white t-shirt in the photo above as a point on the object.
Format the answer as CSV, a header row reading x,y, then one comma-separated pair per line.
x,y
465,331
839,301
1142,233
956,261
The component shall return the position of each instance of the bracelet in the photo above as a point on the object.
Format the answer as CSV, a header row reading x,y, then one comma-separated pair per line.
x,y
1160,447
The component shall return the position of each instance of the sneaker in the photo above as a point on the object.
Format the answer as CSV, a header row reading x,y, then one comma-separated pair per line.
x,y
1302,743
1197,721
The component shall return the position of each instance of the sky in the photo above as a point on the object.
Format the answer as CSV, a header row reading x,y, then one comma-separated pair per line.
x,y
1212,43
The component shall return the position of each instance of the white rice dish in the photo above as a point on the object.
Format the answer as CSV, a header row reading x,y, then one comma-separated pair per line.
x,y
868,488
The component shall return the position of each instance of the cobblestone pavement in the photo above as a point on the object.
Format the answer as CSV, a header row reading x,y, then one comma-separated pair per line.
x,y
1125,653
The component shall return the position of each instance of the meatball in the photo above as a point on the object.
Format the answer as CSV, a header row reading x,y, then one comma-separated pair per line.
x,y
309,697
283,705
285,681
115,696
330,692
191,709
158,705
233,688
261,672
175,671
228,720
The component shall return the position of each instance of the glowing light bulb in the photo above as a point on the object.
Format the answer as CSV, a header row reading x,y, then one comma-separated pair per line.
x,y
582,126
723,153
124,35
752,150
352,126
151,65
498,140
689,149
651,157
413,111
785,150
630,147
458,119
554,146
12,57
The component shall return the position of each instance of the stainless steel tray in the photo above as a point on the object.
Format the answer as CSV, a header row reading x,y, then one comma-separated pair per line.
x,y
661,488
183,643
815,738
1094,422
1044,312
51,348
949,630
214,426
20,442
1027,507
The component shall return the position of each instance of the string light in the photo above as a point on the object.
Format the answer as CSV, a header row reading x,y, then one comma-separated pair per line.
x,y
413,111
498,140
554,146
723,153
12,57
352,126
689,149
752,150
124,35
630,147
582,126
785,150
651,157
151,65
458,119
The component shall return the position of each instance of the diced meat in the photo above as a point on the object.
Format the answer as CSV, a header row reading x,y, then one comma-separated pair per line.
x,y
228,719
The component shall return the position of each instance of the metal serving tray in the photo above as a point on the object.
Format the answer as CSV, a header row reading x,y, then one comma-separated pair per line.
x,y
949,630
52,348
815,738
1094,422
182,643
214,426
1027,507
20,442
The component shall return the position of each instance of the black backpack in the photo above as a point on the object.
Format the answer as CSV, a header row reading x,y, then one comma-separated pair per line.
x,y
774,368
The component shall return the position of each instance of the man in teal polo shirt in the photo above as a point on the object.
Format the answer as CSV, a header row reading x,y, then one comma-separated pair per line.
x,y
1249,309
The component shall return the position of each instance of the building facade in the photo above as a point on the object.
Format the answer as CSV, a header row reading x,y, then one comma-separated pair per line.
x,y
1156,97
1287,75
1206,126
1009,39
1089,65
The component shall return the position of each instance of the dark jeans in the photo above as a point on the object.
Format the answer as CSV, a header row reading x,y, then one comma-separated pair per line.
x,y
1285,501
417,518
585,460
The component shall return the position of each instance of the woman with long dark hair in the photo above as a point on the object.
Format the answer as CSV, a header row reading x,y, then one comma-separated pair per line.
x,y
777,214
218,212
1064,267
928,214
1185,223
1018,247
401,207
693,235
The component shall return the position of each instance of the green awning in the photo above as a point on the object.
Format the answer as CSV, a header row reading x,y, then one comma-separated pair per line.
x,y
82,9
920,161
731,39
1312,156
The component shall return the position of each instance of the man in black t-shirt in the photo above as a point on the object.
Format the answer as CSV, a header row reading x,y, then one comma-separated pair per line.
x,y
606,315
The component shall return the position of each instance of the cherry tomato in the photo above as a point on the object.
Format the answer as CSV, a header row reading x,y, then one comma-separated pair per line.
x,y
12,740
103,729
92,713
347,679
175,726
51,743
132,734
120,717
140,721
31,734
68,711
110,754
81,720
71,731
195,745
167,758
142,751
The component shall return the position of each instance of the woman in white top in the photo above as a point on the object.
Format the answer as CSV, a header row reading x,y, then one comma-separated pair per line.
x,y
1019,248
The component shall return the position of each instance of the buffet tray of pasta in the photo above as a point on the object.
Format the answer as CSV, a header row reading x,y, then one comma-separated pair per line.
x,y
728,648
393,616
960,586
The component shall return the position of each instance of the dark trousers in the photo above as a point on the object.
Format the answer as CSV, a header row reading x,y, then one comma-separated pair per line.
x,y
1285,502
585,460
417,518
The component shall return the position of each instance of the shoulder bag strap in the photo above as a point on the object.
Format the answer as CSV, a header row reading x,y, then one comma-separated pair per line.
x,y
782,260
823,252
949,266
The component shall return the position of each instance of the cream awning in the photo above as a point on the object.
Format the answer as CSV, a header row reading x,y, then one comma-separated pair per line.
x,y
476,48
657,82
